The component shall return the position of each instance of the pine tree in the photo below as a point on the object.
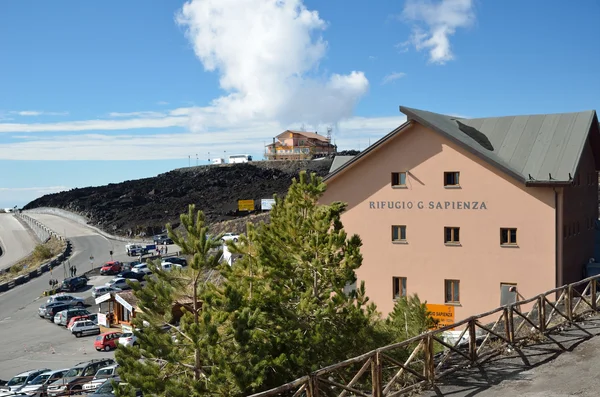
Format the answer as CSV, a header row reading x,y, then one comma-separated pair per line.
x,y
285,297
410,317
175,360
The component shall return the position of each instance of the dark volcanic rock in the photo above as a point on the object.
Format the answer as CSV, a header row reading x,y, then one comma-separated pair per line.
x,y
142,207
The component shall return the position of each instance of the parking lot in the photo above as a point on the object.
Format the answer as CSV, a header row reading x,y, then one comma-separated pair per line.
x,y
28,341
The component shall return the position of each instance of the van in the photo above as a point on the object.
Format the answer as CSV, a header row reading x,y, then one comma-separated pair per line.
x,y
218,161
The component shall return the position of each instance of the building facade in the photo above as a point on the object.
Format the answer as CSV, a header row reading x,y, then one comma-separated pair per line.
x,y
471,212
299,145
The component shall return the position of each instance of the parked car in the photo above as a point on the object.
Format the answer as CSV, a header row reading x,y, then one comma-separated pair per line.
x,y
162,239
66,299
128,339
51,311
85,327
37,386
101,376
132,275
168,266
65,316
107,388
44,308
73,284
230,236
72,382
134,249
121,283
17,382
142,268
178,261
107,341
103,290
92,317
113,267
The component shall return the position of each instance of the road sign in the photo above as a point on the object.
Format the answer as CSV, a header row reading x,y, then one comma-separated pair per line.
x,y
267,204
91,258
246,205
443,313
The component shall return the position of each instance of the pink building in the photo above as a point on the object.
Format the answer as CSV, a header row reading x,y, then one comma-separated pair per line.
x,y
299,145
461,210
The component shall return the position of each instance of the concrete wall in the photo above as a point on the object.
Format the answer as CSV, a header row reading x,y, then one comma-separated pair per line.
x,y
479,261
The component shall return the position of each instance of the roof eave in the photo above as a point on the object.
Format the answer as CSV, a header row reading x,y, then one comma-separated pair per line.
x,y
548,183
368,150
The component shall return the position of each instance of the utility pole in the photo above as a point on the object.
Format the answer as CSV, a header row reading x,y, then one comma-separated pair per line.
x,y
189,164
196,159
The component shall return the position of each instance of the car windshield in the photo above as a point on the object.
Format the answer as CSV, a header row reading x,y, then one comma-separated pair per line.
x,y
127,335
106,388
104,372
74,372
38,380
17,380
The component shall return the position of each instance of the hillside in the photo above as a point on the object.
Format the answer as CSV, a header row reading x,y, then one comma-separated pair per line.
x,y
142,207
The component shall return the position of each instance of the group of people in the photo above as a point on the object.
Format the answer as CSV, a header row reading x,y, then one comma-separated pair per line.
x,y
73,270
162,250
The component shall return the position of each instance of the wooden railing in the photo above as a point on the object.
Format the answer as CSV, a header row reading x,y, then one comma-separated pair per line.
x,y
420,362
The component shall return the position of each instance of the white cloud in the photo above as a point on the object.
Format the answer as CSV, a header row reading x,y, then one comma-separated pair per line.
x,y
37,113
266,54
95,125
392,77
249,138
441,19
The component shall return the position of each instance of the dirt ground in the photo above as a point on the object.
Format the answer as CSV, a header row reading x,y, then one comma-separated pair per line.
x,y
568,365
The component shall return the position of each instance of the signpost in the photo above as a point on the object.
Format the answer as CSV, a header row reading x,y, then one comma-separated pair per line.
x,y
92,261
443,313
245,205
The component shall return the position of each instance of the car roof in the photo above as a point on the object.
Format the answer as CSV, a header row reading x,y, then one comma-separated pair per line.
x,y
31,371
52,372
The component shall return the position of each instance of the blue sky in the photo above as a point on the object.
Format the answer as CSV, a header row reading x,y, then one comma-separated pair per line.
x,y
100,92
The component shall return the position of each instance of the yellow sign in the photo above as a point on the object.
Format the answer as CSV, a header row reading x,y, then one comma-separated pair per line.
x,y
444,314
246,205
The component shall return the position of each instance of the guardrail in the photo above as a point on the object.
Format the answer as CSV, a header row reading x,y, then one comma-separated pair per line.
x,y
421,362
44,234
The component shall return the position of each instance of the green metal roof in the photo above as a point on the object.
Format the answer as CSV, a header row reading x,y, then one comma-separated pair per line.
x,y
544,148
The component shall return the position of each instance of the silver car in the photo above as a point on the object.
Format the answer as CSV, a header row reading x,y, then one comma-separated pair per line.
x,y
37,386
66,299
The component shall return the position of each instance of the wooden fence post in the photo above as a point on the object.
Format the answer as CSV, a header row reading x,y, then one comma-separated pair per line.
x,y
506,325
376,375
569,302
429,368
511,323
542,313
313,387
472,341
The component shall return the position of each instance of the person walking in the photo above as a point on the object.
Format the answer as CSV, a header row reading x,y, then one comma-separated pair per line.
x,y
74,270
166,249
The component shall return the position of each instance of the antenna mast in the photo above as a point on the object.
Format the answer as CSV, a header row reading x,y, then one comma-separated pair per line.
x,y
329,131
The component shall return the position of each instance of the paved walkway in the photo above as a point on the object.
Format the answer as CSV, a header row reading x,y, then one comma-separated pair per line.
x,y
543,370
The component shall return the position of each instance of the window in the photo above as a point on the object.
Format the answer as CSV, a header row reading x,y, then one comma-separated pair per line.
x,y
508,293
508,236
399,233
451,235
451,178
398,179
452,291
399,287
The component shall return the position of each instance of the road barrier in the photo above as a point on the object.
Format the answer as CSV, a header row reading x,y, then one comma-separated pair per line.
x,y
42,232
422,361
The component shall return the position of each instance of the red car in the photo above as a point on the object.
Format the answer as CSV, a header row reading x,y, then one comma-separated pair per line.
x,y
107,341
114,267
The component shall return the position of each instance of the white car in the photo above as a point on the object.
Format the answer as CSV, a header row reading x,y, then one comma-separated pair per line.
x,y
120,283
103,290
141,268
37,386
85,327
100,377
128,339
168,266
230,236
66,299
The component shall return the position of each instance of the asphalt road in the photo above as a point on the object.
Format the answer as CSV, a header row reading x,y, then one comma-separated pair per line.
x,y
16,241
31,342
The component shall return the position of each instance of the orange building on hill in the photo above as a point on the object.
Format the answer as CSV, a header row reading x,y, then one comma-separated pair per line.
x,y
299,145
